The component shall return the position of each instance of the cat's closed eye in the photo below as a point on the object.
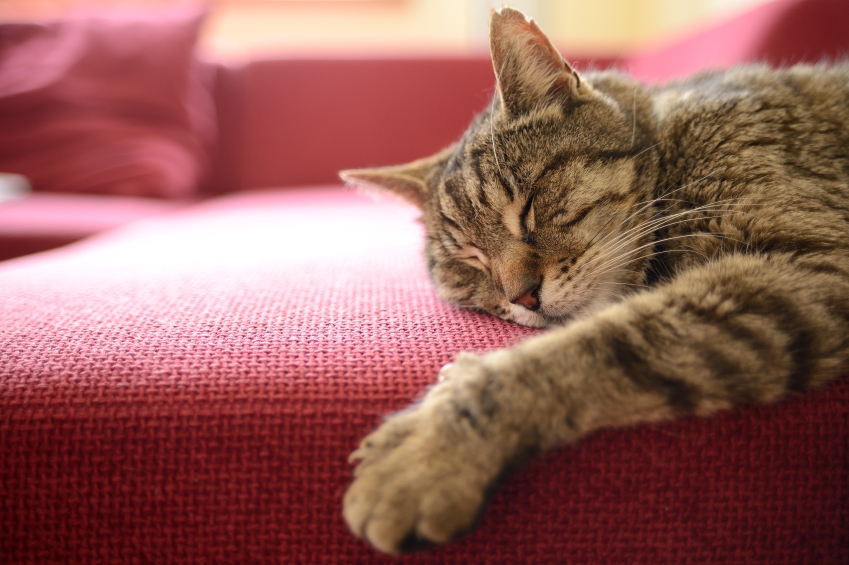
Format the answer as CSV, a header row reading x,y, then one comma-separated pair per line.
x,y
474,257
527,221
519,218
527,218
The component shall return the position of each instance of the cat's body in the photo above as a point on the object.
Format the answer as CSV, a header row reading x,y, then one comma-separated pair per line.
x,y
688,243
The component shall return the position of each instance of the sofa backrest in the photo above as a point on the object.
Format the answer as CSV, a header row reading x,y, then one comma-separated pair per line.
x,y
779,33
297,121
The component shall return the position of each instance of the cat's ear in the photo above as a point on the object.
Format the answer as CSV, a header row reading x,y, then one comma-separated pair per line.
x,y
529,69
409,181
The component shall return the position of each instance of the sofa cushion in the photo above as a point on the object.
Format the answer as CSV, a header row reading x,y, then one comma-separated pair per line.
x,y
106,104
43,220
187,389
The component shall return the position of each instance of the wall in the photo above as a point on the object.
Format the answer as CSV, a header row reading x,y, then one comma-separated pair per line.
x,y
239,28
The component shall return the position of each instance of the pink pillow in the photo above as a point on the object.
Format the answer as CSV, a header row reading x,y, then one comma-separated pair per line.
x,y
106,105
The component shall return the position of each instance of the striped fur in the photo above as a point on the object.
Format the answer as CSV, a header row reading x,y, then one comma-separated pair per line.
x,y
686,243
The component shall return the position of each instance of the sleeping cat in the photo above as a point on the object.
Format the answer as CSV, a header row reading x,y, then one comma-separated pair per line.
x,y
687,244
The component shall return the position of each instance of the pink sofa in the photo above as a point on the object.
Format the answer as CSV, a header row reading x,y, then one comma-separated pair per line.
x,y
186,386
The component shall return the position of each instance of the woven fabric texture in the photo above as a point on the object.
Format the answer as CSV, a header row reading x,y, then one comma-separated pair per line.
x,y
187,390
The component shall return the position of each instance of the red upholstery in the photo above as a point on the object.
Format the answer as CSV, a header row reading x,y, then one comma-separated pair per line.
x,y
330,114
186,389
783,32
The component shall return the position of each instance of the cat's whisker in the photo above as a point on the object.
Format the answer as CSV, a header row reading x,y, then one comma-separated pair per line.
x,y
647,228
622,262
668,251
672,191
659,222
617,283
620,255
628,237
642,207
646,205
633,251
646,149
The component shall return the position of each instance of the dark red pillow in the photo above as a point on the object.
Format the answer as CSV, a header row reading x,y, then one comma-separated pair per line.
x,y
106,105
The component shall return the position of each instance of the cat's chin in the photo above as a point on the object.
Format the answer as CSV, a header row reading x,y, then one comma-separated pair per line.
x,y
554,319
536,319
525,317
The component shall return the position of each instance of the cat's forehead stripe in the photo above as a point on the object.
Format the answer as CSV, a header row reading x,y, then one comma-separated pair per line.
x,y
478,171
476,157
566,158
447,219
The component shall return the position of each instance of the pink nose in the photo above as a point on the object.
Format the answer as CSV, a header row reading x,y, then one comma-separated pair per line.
x,y
529,300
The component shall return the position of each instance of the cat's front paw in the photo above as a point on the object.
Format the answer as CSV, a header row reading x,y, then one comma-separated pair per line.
x,y
423,475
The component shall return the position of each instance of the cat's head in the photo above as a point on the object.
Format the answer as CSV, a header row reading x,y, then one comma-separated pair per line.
x,y
534,214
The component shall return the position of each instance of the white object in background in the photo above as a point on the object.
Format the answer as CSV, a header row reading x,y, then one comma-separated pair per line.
x,y
13,186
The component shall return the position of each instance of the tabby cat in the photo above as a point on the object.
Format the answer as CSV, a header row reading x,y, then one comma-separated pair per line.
x,y
687,244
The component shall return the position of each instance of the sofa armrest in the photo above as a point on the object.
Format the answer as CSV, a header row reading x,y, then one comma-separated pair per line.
x,y
44,220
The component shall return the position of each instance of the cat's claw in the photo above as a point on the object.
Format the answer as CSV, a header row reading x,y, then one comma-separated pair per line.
x,y
422,477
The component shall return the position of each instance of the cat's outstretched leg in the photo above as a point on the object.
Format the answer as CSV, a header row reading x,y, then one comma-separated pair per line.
x,y
738,330
423,475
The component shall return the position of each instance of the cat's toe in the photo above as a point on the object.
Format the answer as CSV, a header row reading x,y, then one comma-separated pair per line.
x,y
409,512
422,475
384,525
428,488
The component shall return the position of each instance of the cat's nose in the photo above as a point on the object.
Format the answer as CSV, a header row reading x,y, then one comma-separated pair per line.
x,y
530,298
517,275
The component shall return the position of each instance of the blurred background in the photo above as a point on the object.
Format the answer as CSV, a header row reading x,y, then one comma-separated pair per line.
x,y
242,28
